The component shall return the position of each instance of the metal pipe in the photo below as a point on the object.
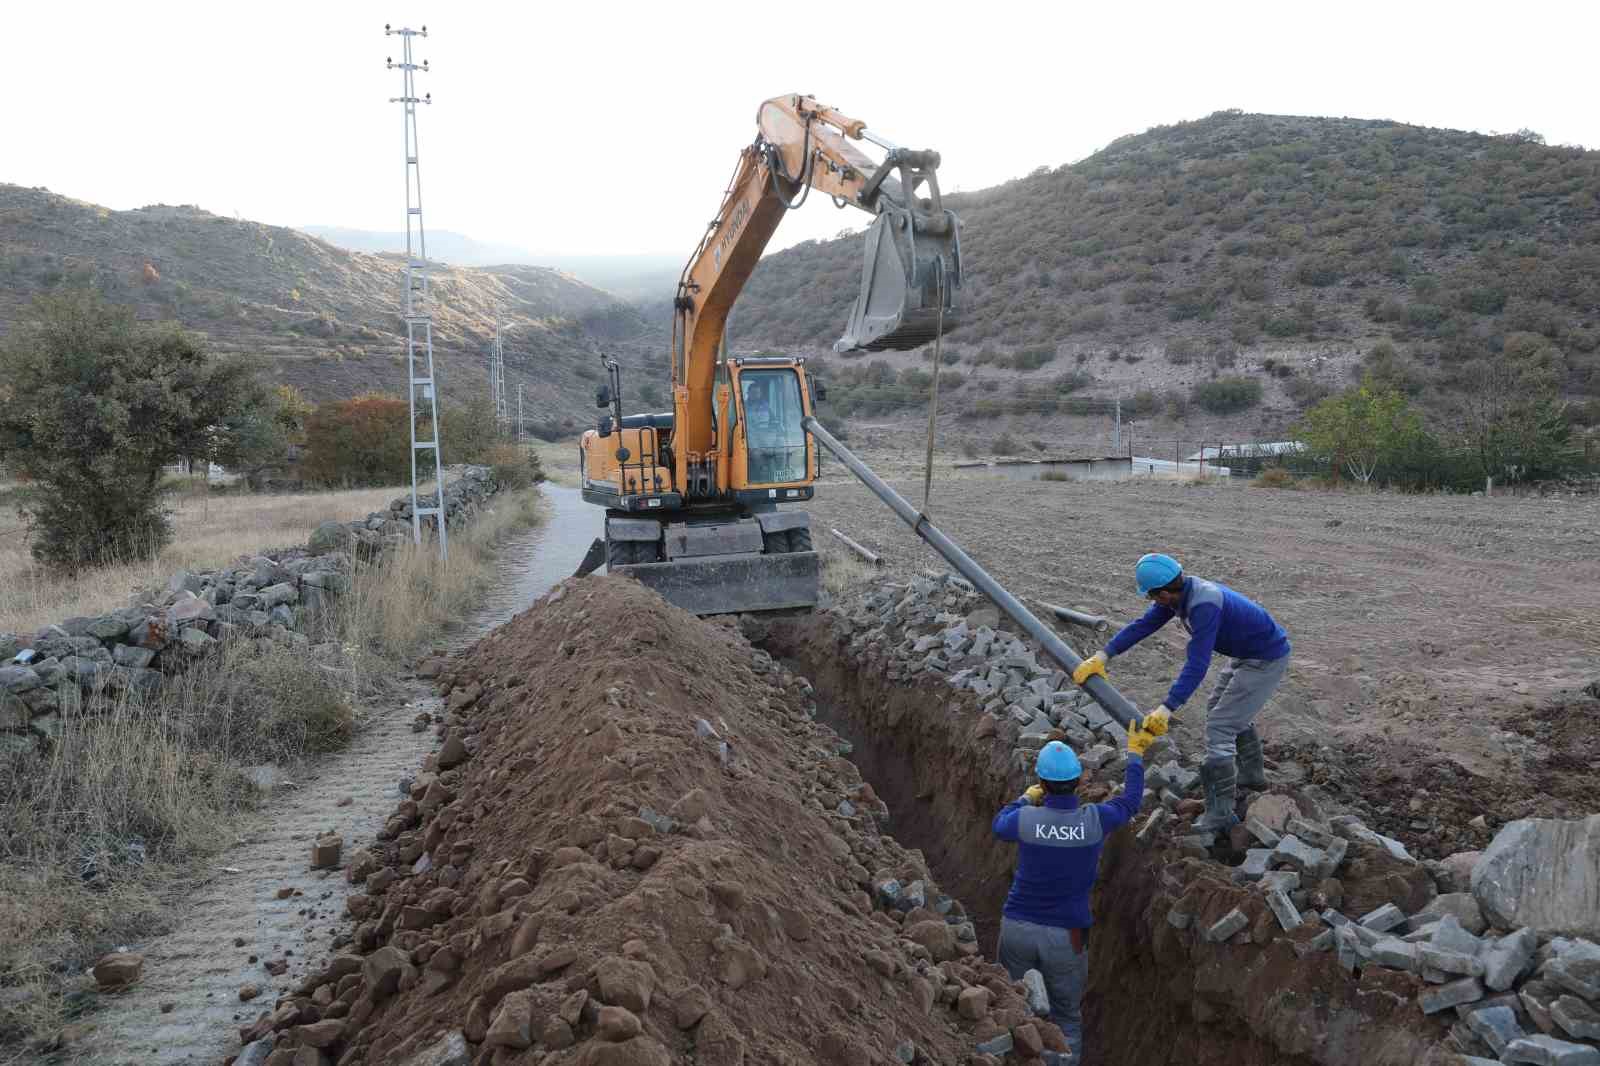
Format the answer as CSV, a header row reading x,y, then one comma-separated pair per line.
x,y
878,139
870,556
1099,689
1067,614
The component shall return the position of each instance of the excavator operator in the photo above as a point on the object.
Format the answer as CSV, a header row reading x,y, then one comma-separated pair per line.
x,y
772,428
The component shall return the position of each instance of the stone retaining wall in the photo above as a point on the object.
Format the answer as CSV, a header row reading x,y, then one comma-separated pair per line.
x,y
280,597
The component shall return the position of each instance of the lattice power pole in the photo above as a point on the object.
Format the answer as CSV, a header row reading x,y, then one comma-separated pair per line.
x,y
497,387
423,395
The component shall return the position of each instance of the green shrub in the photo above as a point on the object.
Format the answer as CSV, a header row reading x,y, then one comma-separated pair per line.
x,y
93,406
514,466
1226,395
1006,444
1029,359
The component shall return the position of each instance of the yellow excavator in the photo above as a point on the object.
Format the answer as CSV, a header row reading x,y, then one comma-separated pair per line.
x,y
692,494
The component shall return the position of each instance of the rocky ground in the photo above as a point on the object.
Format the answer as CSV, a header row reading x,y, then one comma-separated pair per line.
x,y
643,840
1442,665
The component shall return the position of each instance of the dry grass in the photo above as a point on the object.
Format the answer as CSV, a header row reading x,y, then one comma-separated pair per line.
x,y
843,571
130,802
402,603
211,530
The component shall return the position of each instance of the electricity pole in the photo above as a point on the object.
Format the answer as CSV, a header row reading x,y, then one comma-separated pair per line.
x,y
421,390
497,387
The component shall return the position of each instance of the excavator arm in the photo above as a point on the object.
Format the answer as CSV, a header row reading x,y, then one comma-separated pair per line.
x,y
913,259
692,495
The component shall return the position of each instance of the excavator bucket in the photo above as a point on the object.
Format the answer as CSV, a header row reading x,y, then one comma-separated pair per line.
x,y
907,274
731,584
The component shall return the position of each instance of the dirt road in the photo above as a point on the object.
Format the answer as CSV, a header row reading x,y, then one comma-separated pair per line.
x,y
1443,624
187,1007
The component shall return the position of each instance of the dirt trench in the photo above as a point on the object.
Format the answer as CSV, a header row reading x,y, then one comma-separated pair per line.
x,y
1156,995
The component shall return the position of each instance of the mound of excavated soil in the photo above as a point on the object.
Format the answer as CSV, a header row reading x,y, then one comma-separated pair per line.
x,y
636,847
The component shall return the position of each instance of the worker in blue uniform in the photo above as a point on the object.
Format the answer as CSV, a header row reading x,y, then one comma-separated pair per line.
x,y
1046,920
1221,621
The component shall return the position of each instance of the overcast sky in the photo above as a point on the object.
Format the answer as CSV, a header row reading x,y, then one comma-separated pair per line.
x,y
612,127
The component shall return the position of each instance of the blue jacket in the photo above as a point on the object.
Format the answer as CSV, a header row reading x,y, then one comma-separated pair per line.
x,y
1218,619
1059,851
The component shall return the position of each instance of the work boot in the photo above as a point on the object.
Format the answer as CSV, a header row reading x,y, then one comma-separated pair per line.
x,y
1220,779
1252,767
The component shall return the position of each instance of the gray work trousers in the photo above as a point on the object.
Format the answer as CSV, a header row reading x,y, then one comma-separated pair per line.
x,y
1242,690
1026,946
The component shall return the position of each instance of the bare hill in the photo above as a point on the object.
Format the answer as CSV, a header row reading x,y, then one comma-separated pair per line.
x,y
1279,247
322,318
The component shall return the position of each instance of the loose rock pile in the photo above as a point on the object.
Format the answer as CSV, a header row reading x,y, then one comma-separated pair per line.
x,y
938,626
636,846
1494,953
85,663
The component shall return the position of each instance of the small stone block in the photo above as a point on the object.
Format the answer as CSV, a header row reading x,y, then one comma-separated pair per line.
x,y
1323,941
1257,861
1383,919
1395,954
1332,858
1295,853
1506,958
1544,1050
1152,825
1434,1000
1449,961
1495,1026
1576,1018
1314,835
1288,917
325,852
1178,920
1348,945
1227,925
1282,880
1334,918
1262,832
1578,975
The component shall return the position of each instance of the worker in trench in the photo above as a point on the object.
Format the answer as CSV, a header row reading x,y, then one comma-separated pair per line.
x,y
1045,922
1219,620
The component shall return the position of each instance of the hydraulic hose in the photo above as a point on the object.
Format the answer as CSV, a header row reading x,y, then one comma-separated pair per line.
x,y
1099,689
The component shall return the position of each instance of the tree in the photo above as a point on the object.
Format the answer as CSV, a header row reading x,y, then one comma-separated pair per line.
x,y
260,434
360,441
93,405
1363,429
1513,419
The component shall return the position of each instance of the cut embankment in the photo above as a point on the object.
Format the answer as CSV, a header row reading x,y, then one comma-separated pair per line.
x,y
636,846
1162,989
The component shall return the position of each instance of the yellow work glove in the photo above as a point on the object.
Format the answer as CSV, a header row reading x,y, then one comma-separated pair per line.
x,y
1094,664
1157,721
1034,794
1139,740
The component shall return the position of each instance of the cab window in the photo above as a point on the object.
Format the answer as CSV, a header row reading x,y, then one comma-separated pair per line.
x,y
774,437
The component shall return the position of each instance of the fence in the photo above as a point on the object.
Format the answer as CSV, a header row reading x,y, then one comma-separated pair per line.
x,y
1117,454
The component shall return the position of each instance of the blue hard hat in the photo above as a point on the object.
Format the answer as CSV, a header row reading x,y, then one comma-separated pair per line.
x,y
1057,762
1155,571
